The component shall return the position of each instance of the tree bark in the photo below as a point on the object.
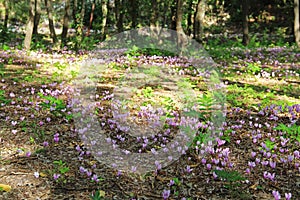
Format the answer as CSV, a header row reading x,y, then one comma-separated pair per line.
x,y
119,12
189,19
6,15
104,19
82,12
65,23
181,37
154,24
74,12
154,14
37,17
245,13
199,19
296,22
29,26
91,17
133,12
49,8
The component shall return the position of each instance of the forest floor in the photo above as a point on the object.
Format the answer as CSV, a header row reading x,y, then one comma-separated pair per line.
x,y
257,155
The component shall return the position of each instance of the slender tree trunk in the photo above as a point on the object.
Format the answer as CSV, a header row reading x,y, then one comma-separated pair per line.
x,y
245,13
65,23
154,14
296,22
173,15
154,24
199,19
29,26
166,7
82,12
181,38
91,17
6,15
104,19
189,19
48,4
74,12
37,17
133,12
119,12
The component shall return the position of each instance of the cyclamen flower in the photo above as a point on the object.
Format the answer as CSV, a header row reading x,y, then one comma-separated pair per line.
x,y
56,176
288,196
56,137
272,164
36,174
45,144
166,194
95,178
276,195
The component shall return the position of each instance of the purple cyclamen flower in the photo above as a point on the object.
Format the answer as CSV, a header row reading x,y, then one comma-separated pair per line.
x,y
45,143
297,154
28,154
95,178
56,176
272,164
166,194
208,166
82,169
276,195
251,164
288,196
188,169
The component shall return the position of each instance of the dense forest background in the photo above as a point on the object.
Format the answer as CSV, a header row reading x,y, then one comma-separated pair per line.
x,y
82,23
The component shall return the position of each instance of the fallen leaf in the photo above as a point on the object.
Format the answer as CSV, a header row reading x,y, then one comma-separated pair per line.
x,y
5,188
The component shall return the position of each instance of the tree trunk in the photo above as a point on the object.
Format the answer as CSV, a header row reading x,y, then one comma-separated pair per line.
x,y
65,23
154,14
296,22
154,24
74,12
133,12
189,19
91,17
37,17
29,26
104,19
119,12
245,13
6,15
173,15
49,8
82,12
199,19
166,7
181,38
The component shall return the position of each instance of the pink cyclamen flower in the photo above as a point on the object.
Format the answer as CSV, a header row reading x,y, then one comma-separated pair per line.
x,y
166,194
288,196
45,144
276,195
56,176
